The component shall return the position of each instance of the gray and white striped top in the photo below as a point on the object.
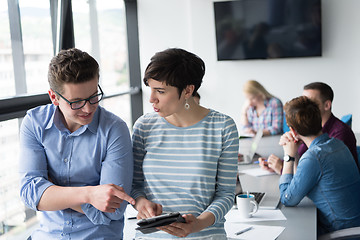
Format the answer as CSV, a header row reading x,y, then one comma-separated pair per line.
x,y
187,169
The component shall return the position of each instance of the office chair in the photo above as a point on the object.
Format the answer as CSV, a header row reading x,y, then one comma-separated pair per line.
x,y
347,119
285,126
347,233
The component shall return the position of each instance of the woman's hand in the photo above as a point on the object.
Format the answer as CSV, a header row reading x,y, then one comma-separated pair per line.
x,y
193,224
147,208
263,163
183,229
275,163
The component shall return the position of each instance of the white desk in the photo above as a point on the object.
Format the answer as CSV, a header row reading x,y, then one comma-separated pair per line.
x,y
301,220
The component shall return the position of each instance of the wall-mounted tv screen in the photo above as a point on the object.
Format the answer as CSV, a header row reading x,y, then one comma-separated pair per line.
x,y
266,29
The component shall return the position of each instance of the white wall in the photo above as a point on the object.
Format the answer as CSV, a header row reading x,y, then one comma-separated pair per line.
x,y
189,24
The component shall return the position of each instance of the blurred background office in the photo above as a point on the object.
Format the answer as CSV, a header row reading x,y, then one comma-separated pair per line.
x,y
123,35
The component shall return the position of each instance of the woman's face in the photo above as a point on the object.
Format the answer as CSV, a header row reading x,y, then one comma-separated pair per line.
x,y
253,99
165,99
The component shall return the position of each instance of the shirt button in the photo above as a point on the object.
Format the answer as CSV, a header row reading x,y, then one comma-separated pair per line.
x,y
66,160
68,222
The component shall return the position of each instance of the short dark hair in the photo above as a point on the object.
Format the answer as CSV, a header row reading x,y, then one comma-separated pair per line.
x,y
326,93
71,66
176,67
303,115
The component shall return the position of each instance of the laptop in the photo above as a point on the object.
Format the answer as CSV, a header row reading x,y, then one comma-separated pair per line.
x,y
252,155
265,202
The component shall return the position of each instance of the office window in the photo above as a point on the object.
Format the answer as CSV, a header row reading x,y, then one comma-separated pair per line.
x,y
14,217
37,43
6,61
100,30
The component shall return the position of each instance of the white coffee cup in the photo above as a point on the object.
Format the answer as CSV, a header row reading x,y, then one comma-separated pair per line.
x,y
246,205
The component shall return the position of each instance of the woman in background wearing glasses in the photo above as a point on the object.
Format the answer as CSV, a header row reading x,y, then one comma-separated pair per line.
x,y
76,161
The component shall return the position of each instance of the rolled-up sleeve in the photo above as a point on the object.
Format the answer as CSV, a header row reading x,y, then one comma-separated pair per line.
x,y
293,188
33,165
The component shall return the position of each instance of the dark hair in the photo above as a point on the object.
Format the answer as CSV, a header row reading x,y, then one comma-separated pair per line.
x,y
176,67
326,93
303,115
71,66
197,95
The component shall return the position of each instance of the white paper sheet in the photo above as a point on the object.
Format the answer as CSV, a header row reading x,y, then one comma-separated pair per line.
x,y
257,232
261,215
257,172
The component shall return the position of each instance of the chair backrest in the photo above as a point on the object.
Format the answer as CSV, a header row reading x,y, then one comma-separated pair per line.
x,y
285,126
348,233
347,119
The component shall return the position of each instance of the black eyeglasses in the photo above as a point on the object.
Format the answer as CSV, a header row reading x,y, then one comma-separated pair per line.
x,y
81,103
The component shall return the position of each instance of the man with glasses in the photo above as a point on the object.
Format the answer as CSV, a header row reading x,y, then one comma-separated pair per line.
x,y
76,161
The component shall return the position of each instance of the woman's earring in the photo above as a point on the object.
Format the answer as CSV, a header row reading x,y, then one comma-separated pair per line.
x,y
187,105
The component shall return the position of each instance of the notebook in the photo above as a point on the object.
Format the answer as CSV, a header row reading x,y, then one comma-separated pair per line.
x,y
251,155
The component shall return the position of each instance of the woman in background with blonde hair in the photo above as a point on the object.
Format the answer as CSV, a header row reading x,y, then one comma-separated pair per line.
x,y
261,110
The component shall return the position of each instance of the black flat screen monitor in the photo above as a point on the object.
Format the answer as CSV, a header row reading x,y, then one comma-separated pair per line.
x,y
266,29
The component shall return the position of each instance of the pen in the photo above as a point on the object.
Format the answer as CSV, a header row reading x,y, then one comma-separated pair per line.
x,y
130,218
257,162
243,231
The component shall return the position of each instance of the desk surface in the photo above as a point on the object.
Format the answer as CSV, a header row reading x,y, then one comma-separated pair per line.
x,y
301,220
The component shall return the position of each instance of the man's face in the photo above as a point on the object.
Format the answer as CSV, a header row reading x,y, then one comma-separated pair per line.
x,y
315,96
74,119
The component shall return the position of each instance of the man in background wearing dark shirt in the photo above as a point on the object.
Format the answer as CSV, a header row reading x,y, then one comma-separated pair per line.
x,y
323,95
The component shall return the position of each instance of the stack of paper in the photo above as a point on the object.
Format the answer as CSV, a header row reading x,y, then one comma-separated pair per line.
x,y
257,172
235,224
257,232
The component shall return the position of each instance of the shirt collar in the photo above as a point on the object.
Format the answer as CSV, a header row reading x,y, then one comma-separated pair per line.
x,y
327,126
266,102
56,120
322,138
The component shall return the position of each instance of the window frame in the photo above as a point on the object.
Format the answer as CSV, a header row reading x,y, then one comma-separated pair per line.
x,y
16,107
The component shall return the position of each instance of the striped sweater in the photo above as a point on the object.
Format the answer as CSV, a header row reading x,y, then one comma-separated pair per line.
x,y
187,169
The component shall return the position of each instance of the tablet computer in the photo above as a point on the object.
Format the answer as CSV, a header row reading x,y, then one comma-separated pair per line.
x,y
149,225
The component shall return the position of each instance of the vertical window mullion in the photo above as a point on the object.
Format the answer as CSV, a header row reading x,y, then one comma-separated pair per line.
x,y
17,47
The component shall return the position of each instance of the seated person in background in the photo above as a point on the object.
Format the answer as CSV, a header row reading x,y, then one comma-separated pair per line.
x,y
333,185
323,95
261,110
76,160
185,154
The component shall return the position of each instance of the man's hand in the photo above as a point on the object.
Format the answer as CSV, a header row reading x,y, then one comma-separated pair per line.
x,y
147,208
290,143
108,197
288,137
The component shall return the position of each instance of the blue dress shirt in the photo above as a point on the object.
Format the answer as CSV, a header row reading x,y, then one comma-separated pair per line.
x,y
328,175
98,153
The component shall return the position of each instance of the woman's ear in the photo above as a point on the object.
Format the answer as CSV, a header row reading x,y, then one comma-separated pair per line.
x,y
53,97
189,91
